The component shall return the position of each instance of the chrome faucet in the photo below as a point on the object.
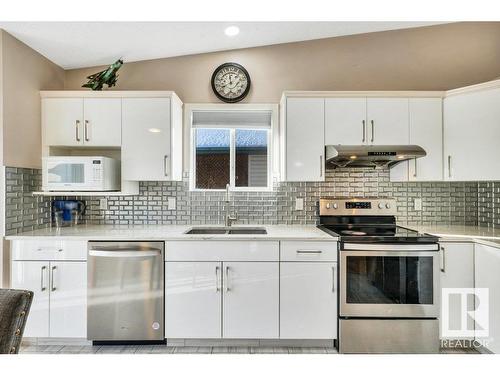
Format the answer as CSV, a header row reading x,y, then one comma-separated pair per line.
x,y
228,219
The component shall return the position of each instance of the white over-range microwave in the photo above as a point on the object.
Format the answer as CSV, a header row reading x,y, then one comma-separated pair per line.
x,y
80,173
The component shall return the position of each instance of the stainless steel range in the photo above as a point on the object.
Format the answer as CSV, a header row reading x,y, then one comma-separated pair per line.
x,y
388,279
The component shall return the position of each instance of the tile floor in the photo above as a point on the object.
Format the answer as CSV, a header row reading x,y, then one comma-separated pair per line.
x,y
163,349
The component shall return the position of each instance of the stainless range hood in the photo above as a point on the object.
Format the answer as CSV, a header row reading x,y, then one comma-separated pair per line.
x,y
370,156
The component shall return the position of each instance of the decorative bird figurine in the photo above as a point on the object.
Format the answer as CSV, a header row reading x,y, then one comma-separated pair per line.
x,y
105,77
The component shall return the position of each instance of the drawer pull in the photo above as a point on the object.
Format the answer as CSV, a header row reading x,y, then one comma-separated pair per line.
x,y
41,249
309,251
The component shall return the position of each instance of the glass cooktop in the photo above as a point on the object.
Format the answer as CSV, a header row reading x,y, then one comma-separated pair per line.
x,y
375,233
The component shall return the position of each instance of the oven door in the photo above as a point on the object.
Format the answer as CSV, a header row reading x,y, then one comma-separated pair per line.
x,y
389,281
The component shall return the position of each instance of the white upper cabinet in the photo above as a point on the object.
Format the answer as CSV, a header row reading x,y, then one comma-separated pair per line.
x,y
345,121
387,121
82,121
471,135
62,121
304,140
102,122
151,139
426,130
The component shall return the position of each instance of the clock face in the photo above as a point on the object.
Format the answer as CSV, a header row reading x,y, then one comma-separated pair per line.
x,y
230,82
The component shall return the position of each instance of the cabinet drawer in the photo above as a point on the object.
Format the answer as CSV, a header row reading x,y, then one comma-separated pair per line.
x,y
310,251
49,250
193,251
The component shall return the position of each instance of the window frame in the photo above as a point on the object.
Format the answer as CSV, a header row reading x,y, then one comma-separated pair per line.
x,y
271,139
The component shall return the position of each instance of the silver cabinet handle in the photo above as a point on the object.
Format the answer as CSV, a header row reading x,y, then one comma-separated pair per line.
x,y
77,130
449,166
227,279
52,277
42,281
165,165
217,289
373,130
443,268
309,251
415,171
364,131
321,166
86,131
124,253
333,279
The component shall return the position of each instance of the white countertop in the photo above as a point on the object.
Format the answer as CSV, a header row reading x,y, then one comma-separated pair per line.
x,y
173,232
484,235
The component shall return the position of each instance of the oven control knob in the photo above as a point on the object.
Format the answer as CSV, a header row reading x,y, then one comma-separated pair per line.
x,y
335,206
387,205
380,205
328,206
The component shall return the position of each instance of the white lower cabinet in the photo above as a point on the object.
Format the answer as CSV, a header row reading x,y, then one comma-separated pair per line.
x,y
457,271
193,300
59,307
251,300
487,264
68,299
221,300
34,276
308,300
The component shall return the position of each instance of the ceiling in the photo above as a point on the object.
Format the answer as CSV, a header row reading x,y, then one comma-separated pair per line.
x,y
83,44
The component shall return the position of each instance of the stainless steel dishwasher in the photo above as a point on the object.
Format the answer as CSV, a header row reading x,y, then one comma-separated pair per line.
x,y
125,291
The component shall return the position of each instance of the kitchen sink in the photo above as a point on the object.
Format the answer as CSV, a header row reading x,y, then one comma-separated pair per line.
x,y
225,230
248,231
207,231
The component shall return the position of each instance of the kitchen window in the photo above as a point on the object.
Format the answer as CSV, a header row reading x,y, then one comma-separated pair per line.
x,y
231,147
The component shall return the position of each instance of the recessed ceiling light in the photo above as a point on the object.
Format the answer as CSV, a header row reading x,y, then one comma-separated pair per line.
x,y
154,130
232,30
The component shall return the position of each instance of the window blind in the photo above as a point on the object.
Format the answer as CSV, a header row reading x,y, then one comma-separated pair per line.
x,y
232,119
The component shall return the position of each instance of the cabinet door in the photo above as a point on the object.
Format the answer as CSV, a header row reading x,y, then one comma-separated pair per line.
x,y
68,299
426,130
146,139
345,121
457,271
487,264
308,300
102,122
34,276
471,134
193,299
305,143
251,300
387,121
62,120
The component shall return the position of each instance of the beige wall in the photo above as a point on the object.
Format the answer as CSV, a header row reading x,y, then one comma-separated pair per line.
x,y
24,73
430,58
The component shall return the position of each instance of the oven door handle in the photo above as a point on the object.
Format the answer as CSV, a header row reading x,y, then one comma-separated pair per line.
x,y
390,247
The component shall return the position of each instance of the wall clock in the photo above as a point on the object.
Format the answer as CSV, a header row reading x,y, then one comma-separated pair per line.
x,y
230,82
